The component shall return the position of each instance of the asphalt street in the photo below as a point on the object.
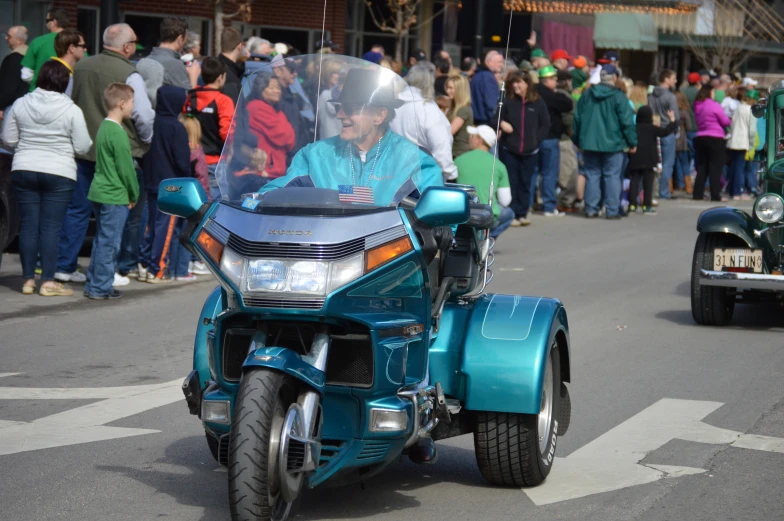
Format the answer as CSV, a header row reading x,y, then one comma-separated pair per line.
x,y
670,420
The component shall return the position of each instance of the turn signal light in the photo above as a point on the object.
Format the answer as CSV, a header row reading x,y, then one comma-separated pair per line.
x,y
210,246
382,254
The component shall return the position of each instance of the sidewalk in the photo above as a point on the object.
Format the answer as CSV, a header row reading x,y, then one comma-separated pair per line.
x,y
14,304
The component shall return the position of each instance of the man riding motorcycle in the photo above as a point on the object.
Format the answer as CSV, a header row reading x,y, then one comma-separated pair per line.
x,y
367,162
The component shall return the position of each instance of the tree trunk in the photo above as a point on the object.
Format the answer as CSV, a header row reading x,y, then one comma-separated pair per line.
x,y
218,27
399,35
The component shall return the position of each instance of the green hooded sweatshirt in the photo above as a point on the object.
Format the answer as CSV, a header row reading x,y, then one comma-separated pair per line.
x,y
604,120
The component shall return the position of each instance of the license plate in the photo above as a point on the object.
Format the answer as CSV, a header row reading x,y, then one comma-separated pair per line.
x,y
735,259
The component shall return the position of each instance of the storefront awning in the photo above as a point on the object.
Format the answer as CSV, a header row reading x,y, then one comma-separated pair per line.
x,y
632,31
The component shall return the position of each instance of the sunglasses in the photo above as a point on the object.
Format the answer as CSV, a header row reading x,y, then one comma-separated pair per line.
x,y
82,45
50,20
351,109
134,42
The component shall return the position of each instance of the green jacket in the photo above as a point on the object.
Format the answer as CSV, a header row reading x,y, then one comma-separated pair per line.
x,y
604,121
115,180
39,52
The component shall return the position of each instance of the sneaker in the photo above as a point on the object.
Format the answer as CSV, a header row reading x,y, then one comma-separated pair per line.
x,y
515,223
28,288
591,215
554,213
56,290
114,295
613,217
152,279
141,274
76,276
199,268
119,280
655,202
133,274
524,221
190,277
649,210
632,209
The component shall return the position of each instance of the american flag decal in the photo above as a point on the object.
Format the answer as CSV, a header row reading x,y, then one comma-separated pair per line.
x,y
355,194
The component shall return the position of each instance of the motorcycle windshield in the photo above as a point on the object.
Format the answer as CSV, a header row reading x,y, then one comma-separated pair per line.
x,y
312,135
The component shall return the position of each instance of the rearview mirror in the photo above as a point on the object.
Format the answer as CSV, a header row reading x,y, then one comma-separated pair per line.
x,y
181,196
443,206
758,110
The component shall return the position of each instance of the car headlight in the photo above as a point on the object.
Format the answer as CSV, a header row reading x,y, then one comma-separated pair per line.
x,y
769,208
300,277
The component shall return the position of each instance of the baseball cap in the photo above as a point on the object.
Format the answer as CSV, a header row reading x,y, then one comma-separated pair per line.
x,y
748,82
609,57
609,68
487,134
547,71
704,72
560,54
538,53
580,62
694,77
753,94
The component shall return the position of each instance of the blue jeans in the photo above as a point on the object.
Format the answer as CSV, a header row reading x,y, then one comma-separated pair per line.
x,y
215,192
603,167
133,231
752,182
737,172
668,164
42,200
77,219
521,170
682,168
502,222
179,258
110,220
549,163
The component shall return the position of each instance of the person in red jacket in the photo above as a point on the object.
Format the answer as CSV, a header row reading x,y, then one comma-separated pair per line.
x,y
214,110
269,124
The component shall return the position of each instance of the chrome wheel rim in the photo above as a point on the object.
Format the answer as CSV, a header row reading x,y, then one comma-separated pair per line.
x,y
545,417
279,507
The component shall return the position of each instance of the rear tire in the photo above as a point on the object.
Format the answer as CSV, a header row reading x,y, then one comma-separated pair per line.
x,y
508,448
710,305
263,398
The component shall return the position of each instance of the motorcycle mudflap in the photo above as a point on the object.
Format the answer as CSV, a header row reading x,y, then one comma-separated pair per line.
x,y
201,361
497,363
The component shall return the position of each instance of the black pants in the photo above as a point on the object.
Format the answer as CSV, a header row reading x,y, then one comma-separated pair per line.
x,y
710,164
521,170
647,186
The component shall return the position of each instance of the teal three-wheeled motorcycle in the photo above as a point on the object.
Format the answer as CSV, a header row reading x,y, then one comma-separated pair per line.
x,y
351,325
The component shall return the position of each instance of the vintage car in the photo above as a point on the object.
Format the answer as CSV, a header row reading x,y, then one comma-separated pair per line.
x,y
739,257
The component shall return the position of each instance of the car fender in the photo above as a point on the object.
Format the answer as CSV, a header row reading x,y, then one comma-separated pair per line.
x,y
728,220
505,352
201,351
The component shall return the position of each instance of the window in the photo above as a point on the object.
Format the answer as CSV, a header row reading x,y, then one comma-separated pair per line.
x,y
148,30
87,24
759,64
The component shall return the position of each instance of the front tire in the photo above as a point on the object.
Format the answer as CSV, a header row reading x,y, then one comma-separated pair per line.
x,y
519,449
710,305
263,398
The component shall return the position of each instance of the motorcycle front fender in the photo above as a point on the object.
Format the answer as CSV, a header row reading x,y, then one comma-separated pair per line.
x,y
286,361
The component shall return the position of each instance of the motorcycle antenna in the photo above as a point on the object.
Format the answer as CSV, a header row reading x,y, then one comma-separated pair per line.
x,y
321,62
501,96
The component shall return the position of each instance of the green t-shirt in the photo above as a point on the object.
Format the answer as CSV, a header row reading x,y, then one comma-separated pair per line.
x,y
115,177
460,144
39,52
474,168
718,96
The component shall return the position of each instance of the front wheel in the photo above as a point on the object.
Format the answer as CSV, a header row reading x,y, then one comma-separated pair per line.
x,y
710,305
519,449
263,398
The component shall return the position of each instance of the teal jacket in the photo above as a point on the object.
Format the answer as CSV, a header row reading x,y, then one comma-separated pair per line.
x,y
401,169
604,121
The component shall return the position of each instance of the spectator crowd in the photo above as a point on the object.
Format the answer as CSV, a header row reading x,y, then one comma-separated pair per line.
x,y
93,136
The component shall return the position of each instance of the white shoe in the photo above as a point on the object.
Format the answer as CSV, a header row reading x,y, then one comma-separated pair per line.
x,y
198,268
76,276
119,280
190,277
554,213
142,274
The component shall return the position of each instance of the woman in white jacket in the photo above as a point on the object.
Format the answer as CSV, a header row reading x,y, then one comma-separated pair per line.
x,y
421,121
45,128
741,139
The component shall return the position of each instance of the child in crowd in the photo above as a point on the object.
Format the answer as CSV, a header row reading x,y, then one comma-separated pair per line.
x,y
214,110
114,191
169,156
643,162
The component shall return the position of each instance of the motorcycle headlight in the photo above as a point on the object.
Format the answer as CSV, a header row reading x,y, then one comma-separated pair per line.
x,y
300,277
769,208
232,265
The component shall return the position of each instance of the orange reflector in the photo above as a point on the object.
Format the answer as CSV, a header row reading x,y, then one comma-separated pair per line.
x,y
210,246
385,253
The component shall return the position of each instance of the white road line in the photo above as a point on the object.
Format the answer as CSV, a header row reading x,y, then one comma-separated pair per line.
x,y
8,374
758,442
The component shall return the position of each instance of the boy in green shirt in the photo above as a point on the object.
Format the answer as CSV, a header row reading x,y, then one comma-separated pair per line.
x,y
475,168
41,50
113,191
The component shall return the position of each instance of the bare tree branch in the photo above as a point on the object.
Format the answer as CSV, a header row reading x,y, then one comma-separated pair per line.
x,y
381,24
417,26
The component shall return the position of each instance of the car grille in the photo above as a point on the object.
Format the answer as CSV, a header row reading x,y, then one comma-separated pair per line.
x,y
373,450
350,361
276,250
266,302
330,449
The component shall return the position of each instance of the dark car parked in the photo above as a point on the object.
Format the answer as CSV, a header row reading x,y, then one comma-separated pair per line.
x,y
9,217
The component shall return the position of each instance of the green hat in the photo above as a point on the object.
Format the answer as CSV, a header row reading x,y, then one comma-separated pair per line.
x,y
547,71
538,53
753,94
526,66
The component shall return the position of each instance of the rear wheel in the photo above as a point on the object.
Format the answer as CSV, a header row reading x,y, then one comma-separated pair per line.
x,y
710,305
263,398
519,449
